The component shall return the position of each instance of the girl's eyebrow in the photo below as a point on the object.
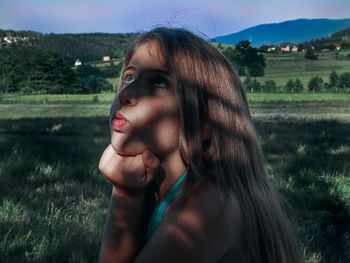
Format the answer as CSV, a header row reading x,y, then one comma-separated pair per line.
x,y
162,71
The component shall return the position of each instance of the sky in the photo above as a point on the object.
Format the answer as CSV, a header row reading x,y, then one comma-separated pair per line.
x,y
209,17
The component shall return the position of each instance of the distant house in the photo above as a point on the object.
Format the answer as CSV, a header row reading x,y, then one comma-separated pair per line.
x,y
286,48
271,49
77,63
337,46
8,39
294,49
106,58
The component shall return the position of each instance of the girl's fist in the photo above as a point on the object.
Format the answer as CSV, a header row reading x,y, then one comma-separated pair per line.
x,y
129,174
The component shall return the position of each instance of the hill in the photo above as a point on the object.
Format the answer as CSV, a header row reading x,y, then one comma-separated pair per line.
x,y
294,31
343,34
86,47
341,37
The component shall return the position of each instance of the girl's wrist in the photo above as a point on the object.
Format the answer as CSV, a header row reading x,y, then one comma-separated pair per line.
x,y
128,193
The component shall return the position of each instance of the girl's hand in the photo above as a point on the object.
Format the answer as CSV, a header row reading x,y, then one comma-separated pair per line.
x,y
130,175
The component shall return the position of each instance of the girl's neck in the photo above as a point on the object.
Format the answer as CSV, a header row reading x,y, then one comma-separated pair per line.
x,y
173,168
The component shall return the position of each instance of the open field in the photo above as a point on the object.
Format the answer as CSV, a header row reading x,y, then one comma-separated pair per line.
x,y
282,67
107,98
54,200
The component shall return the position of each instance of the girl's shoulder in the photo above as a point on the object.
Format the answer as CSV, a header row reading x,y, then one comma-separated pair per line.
x,y
217,210
207,220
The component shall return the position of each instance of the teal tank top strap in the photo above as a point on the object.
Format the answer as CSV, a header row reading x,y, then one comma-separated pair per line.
x,y
157,215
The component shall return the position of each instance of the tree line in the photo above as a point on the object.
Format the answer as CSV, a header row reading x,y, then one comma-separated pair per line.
x,y
86,47
337,83
245,58
38,62
28,69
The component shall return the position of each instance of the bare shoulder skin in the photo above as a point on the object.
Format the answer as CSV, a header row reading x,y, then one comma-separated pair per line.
x,y
207,229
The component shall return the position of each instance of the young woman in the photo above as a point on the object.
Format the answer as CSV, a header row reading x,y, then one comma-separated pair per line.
x,y
189,183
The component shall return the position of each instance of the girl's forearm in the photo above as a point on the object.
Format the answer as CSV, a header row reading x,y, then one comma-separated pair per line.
x,y
121,240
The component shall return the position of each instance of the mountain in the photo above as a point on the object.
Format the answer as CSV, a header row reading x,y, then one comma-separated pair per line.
x,y
294,31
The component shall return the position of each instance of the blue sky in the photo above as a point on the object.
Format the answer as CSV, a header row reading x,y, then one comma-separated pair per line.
x,y
211,17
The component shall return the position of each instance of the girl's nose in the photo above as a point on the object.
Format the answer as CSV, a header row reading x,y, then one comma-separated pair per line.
x,y
126,98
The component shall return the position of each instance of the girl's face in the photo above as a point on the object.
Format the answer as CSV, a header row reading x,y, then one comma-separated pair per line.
x,y
144,114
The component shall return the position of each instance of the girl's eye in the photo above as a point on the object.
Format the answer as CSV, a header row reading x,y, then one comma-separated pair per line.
x,y
129,79
160,83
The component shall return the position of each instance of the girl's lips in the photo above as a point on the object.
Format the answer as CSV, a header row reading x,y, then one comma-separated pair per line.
x,y
127,155
119,121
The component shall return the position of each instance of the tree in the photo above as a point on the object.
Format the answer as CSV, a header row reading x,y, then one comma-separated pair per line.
x,y
331,46
300,47
345,80
111,71
315,84
256,86
248,54
270,86
27,69
298,86
86,70
255,70
6,85
241,71
247,83
333,79
95,84
290,86
233,56
245,56
310,54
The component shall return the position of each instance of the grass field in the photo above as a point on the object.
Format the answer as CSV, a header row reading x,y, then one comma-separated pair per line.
x,y
282,67
54,200
107,98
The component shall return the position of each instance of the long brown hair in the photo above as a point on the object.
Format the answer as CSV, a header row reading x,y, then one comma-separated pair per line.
x,y
210,95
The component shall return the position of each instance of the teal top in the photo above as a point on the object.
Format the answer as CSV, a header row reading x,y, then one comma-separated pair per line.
x,y
157,215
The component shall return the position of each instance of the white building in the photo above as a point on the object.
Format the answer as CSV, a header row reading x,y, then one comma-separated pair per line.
x,y
77,63
8,39
286,48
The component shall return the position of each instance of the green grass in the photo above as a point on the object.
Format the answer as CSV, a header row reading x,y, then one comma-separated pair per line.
x,y
103,98
282,67
30,111
107,98
54,200
298,97
100,63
